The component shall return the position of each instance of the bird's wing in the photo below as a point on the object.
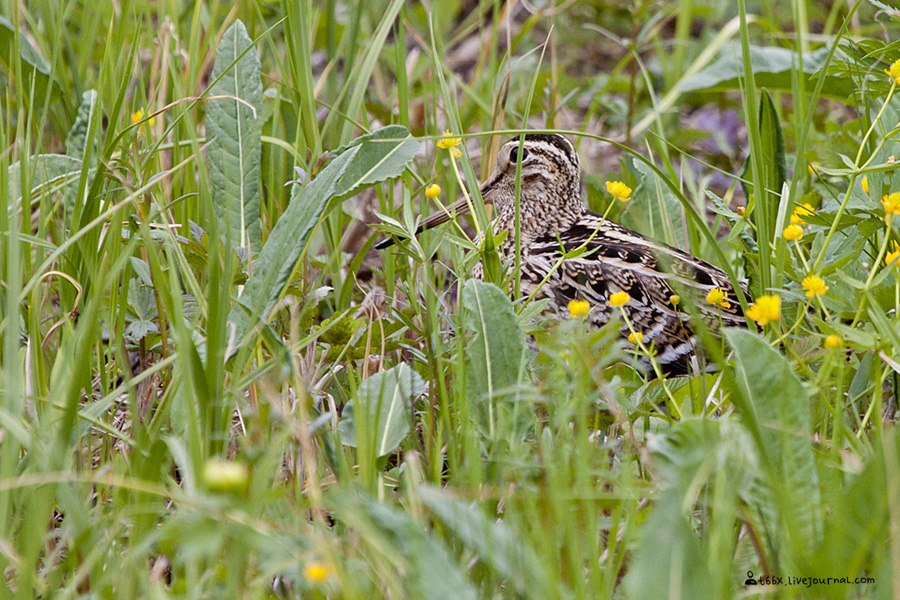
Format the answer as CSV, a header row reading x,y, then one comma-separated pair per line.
x,y
612,258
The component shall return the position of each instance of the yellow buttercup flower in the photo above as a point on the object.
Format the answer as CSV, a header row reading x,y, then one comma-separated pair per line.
x,y
579,308
865,184
891,257
766,308
718,297
674,299
448,141
433,191
619,190
792,232
833,342
635,337
894,71
316,572
800,213
814,286
619,299
891,205
138,116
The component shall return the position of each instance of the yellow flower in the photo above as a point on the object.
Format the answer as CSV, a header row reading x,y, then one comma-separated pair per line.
x,y
619,190
138,116
433,191
579,308
741,210
833,342
798,217
814,286
891,205
718,297
316,572
894,71
674,299
792,232
635,337
865,183
765,309
448,141
893,255
619,299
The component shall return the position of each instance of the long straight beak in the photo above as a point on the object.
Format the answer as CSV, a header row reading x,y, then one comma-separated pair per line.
x,y
460,207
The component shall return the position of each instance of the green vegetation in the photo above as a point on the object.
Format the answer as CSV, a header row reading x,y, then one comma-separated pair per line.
x,y
212,386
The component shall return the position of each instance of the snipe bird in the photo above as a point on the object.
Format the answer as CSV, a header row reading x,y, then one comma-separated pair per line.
x,y
554,221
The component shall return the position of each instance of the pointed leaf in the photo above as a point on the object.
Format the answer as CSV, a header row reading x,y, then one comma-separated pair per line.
x,y
33,64
48,172
423,563
773,67
382,154
234,129
494,543
292,231
495,356
77,138
776,408
384,402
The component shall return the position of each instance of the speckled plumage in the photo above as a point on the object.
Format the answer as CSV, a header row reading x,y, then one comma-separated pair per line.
x,y
554,220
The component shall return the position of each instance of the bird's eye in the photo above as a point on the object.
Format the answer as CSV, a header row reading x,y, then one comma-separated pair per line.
x,y
514,154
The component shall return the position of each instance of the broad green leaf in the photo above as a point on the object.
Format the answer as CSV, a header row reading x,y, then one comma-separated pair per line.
x,y
669,561
33,64
775,407
382,160
705,464
382,154
381,412
855,526
773,68
234,129
49,172
422,564
495,357
77,138
494,543
286,243
77,141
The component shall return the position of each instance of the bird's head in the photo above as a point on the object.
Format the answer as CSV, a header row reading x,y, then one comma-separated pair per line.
x,y
550,189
